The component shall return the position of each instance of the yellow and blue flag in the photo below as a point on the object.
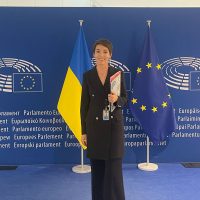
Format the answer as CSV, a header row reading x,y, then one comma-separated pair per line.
x,y
70,97
150,102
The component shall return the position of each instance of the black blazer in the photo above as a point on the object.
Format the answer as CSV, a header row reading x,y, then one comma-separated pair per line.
x,y
105,139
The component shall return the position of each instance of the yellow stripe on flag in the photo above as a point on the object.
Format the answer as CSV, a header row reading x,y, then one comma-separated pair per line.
x,y
69,103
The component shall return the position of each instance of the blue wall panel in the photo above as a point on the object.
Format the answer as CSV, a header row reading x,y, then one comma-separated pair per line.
x,y
35,50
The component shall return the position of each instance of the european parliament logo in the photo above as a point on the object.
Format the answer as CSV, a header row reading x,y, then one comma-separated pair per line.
x,y
182,73
19,76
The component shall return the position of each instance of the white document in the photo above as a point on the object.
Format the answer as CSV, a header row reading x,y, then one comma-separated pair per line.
x,y
115,86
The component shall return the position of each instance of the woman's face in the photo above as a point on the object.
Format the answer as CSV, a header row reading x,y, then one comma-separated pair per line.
x,y
102,55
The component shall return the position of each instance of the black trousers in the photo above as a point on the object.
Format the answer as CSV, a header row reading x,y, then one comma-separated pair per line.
x,y
107,179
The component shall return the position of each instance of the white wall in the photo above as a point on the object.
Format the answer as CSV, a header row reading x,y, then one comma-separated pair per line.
x,y
101,3
46,3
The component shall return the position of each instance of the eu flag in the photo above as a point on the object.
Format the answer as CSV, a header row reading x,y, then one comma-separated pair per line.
x,y
27,82
150,101
195,80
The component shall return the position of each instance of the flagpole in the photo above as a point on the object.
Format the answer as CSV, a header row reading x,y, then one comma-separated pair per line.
x,y
147,166
81,169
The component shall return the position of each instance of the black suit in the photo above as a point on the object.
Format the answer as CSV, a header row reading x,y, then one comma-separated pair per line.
x,y
105,138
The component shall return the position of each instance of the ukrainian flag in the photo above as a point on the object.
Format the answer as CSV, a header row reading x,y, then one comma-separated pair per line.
x,y
70,97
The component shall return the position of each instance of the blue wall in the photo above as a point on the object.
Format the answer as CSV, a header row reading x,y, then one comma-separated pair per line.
x,y
45,37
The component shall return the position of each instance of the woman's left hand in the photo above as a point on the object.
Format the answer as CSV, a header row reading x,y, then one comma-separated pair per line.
x,y
112,98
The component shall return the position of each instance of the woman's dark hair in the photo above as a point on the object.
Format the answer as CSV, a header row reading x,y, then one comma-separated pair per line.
x,y
103,42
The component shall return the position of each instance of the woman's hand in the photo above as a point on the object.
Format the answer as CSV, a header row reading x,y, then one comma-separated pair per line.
x,y
84,139
112,98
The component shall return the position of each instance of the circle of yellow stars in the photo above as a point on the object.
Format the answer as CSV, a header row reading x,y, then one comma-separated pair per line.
x,y
144,107
154,109
23,85
149,66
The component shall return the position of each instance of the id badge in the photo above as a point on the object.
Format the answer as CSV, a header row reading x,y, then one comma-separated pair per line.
x,y
105,114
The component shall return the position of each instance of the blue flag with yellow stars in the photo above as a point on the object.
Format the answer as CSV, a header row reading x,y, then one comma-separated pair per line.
x,y
150,102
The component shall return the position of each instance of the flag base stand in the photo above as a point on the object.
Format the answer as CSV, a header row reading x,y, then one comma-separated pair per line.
x,y
148,166
81,169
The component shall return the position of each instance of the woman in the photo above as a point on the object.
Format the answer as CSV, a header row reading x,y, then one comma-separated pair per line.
x,y
102,130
